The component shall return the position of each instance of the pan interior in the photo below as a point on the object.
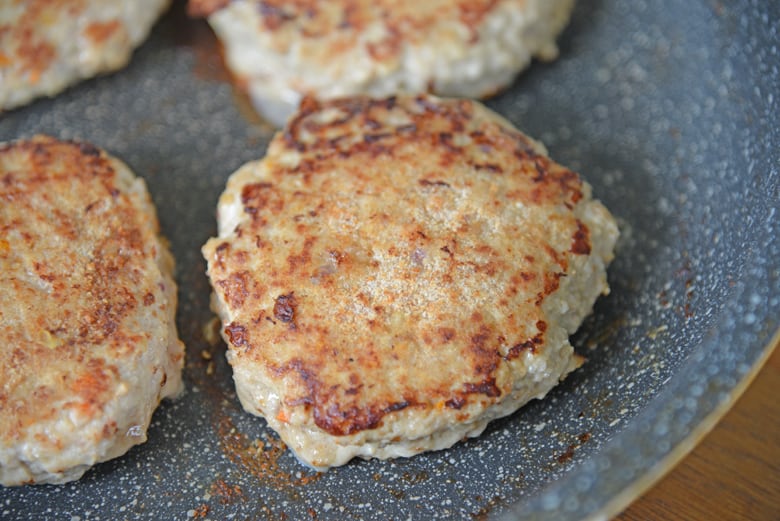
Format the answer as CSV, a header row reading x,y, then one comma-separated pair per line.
x,y
667,110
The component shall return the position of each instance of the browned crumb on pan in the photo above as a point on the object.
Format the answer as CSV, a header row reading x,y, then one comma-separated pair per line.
x,y
260,457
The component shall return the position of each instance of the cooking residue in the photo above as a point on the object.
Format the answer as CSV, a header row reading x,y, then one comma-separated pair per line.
x,y
260,457
568,454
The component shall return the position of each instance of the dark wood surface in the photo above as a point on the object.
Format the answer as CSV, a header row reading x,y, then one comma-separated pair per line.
x,y
734,472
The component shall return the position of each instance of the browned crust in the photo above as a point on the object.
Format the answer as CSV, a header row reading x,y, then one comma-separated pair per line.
x,y
101,32
349,369
73,249
346,20
32,54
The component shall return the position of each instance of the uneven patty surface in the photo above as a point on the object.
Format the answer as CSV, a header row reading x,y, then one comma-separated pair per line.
x,y
281,50
396,273
87,302
48,45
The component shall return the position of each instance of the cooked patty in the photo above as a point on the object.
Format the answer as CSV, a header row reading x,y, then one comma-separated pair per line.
x,y
87,305
48,45
396,273
281,50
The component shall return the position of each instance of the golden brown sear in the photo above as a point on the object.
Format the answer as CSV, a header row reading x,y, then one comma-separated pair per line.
x,y
397,272
48,45
282,50
87,304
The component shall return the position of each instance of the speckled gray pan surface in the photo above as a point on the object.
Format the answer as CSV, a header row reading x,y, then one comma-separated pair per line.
x,y
669,108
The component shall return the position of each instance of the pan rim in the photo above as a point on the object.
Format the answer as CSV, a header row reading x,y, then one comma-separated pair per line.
x,y
679,452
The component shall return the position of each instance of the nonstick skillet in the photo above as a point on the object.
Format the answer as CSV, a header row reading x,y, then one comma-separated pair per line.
x,y
668,108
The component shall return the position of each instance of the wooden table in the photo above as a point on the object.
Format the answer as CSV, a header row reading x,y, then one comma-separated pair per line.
x,y
734,473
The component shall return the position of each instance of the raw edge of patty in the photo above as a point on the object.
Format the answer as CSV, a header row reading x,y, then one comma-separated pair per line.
x,y
281,52
88,303
537,355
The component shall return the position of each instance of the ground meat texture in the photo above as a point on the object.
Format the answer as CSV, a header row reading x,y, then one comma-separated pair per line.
x,y
282,50
411,267
87,303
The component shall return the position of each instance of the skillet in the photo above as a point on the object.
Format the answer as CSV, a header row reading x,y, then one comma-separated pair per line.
x,y
669,109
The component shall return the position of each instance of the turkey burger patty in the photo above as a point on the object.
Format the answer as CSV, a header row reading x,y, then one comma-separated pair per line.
x,y
281,50
48,45
396,273
88,342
